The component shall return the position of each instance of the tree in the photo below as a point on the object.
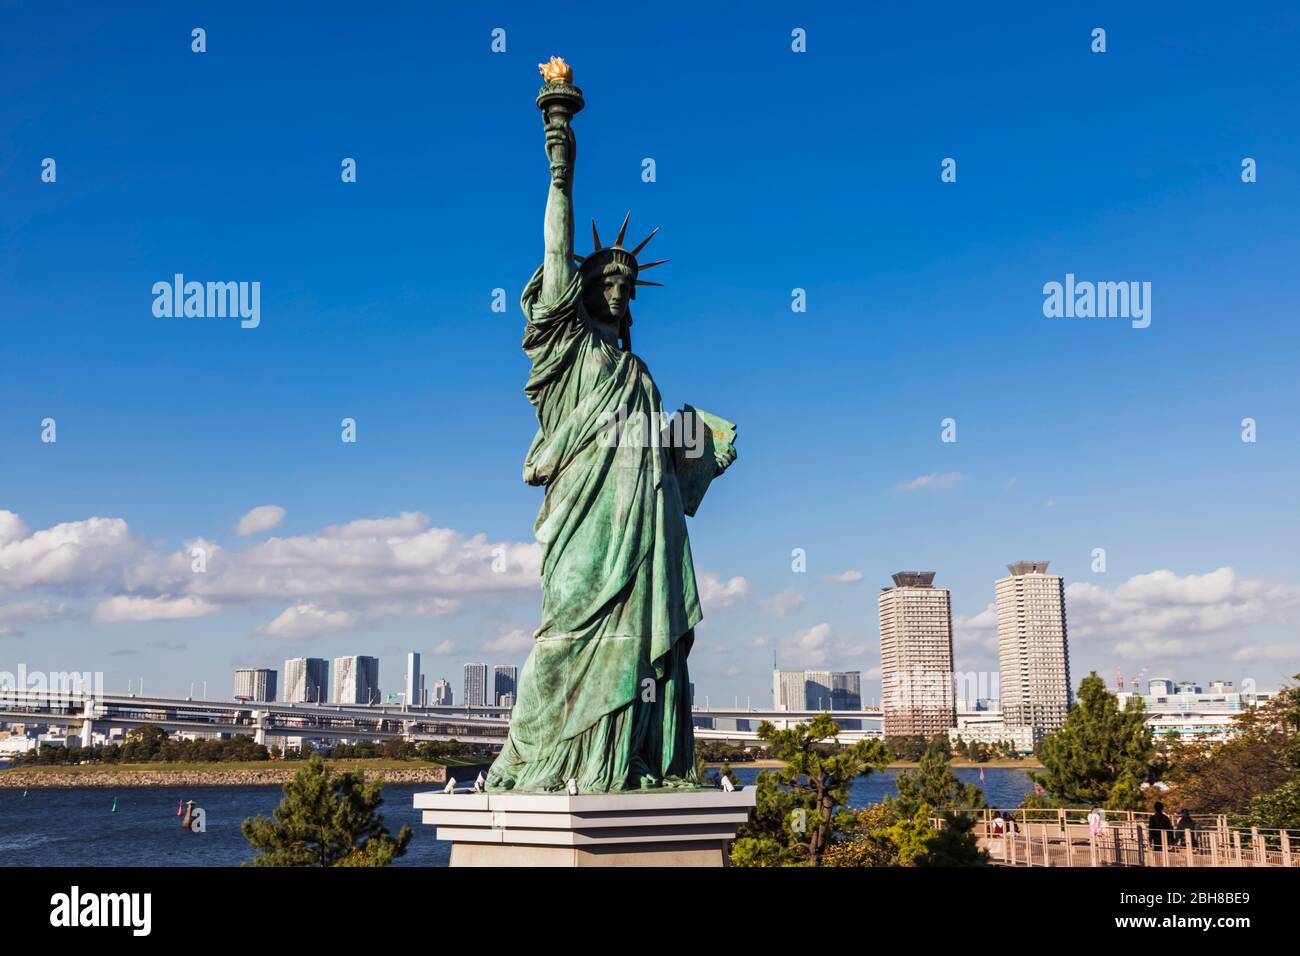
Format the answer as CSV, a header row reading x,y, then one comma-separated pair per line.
x,y
934,785
1260,758
1100,756
800,805
325,820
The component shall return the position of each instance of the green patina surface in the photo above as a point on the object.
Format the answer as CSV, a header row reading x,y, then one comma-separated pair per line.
x,y
604,697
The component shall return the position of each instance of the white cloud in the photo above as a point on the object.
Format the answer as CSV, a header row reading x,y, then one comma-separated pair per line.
x,y
303,621
787,602
934,482
516,640
77,556
1161,605
443,649
122,607
716,594
262,518
362,571
28,612
977,630
1269,652
808,648
844,577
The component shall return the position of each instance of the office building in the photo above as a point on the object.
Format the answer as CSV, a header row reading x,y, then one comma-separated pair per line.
x,y
505,681
442,696
255,683
476,685
306,680
356,680
816,690
414,681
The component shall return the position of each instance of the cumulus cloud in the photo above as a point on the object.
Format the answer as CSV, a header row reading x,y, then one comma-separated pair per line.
x,y
844,577
787,602
512,641
77,556
934,482
359,572
308,620
18,613
716,594
122,607
1162,615
1268,652
262,518
809,647
443,648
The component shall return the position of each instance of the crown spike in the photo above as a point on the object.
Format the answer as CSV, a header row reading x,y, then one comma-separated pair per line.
x,y
645,240
622,231
660,284
651,265
595,236
579,258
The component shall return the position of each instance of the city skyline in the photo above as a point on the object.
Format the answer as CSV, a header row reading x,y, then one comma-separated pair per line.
x,y
1114,451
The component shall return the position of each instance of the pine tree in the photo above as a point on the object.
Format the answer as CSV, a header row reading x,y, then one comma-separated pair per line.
x,y
325,820
801,806
935,786
1100,756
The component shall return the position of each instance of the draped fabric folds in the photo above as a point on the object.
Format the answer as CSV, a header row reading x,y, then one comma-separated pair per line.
x,y
604,696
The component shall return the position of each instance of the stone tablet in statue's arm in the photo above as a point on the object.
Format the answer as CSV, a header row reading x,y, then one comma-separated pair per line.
x,y
704,446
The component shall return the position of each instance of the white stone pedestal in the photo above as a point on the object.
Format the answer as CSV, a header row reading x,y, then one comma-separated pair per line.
x,y
676,828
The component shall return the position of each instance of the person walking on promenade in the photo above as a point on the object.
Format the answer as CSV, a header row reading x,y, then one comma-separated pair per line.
x,y
1159,824
1186,829
1097,822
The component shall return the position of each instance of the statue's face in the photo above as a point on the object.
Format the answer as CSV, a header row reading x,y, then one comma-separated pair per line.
x,y
607,297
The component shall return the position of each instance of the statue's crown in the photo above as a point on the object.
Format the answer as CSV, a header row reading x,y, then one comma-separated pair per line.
x,y
594,263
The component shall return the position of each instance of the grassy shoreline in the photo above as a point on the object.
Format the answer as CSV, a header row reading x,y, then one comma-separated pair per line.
x,y
246,773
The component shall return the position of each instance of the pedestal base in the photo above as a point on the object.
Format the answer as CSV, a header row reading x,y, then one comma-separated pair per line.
x,y
676,828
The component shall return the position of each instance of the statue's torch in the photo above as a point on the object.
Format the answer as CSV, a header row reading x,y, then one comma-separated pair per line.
x,y
558,100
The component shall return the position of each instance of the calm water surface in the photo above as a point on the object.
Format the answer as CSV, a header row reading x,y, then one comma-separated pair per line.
x,y
77,827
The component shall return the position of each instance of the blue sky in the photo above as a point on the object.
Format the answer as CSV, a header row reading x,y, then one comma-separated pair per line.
x,y
775,170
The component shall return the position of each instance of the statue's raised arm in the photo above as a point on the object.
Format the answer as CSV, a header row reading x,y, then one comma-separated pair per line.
x,y
559,100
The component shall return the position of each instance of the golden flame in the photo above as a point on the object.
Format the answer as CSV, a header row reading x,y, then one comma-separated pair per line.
x,y
556,69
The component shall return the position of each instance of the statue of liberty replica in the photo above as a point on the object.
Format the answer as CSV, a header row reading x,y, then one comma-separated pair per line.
x,y
604,698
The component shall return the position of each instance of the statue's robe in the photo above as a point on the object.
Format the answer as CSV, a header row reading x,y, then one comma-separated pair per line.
x,y
604,696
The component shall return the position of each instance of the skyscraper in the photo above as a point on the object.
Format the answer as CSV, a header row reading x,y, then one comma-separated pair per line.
x,y
916,656
475,685
255,683
356,680
306,680
1033,652
789,690
442,693
414,684
816,690
505,681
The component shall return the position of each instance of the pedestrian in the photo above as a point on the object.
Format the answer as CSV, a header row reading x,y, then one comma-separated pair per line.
x,y
1157,825
1097,822
1186,827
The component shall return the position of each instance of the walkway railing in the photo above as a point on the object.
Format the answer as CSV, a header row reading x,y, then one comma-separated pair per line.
x,y
1065,838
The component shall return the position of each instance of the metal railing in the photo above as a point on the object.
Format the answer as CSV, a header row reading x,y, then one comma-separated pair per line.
x,y
1066,838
